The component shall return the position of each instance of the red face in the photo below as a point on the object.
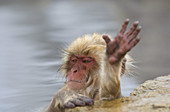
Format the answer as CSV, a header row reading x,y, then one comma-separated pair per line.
x,y
79,67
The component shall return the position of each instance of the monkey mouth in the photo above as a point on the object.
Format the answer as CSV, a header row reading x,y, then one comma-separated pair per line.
x,y
74,81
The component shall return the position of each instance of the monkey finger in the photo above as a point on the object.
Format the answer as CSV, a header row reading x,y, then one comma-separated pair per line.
x,y
133,43
88,101
132,29
119,38
78,102
124,26
106,38
134,34
69,105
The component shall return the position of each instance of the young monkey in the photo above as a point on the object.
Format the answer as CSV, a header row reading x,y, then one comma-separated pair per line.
x,y
92,66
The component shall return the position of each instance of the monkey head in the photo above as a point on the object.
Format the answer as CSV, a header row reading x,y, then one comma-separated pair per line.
x,y
82,58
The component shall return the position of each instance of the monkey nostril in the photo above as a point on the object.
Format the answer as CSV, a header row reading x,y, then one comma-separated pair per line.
x,y
74,71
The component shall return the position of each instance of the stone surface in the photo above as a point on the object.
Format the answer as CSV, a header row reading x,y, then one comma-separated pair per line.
x,y
152,95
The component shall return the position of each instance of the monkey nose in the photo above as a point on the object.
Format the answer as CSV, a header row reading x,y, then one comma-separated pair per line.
x,y
74,71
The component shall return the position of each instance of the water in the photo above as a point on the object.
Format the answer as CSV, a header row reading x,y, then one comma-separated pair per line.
x,y
32,36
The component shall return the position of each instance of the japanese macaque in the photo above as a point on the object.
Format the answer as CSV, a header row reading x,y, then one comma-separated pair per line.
x,y
92,66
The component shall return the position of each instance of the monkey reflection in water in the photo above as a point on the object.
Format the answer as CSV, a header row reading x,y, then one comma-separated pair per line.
x,y
93,65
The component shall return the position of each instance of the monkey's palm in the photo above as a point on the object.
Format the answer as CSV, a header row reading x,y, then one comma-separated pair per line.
x,y
122,43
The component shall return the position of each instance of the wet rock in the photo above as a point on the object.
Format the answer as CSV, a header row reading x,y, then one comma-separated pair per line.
x,y
152,95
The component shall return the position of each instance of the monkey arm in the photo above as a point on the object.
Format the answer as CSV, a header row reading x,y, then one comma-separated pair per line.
x,y
115,51
57,102
110,80
66,98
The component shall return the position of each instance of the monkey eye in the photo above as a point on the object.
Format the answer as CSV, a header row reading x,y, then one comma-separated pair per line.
x,y
86,61
74,60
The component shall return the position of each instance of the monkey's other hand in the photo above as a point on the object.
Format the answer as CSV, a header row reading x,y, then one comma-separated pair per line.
x,y
123,42
78,100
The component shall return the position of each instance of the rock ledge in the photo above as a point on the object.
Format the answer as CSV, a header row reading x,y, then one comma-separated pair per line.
x,y
152,95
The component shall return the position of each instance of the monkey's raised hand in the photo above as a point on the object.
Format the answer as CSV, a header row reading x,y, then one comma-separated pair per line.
x,y
77,100
123,42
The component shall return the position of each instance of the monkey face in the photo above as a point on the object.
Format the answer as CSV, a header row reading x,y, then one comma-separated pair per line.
x,y
79,67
